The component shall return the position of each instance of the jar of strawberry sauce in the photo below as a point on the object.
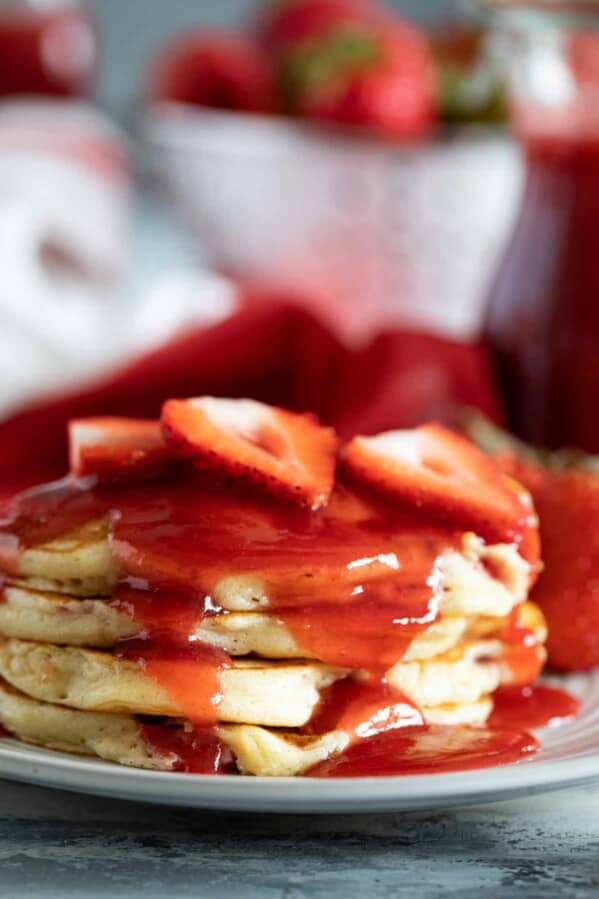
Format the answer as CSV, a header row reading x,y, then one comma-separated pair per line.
x,y
543,311
46,47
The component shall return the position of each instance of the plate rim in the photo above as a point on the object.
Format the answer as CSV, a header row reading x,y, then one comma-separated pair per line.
x,y
577,763
92,776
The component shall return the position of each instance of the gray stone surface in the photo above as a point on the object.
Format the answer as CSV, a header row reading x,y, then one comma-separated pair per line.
x,y
56,845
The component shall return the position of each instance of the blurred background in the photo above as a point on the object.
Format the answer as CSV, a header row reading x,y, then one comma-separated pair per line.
x,y
383,211
133,30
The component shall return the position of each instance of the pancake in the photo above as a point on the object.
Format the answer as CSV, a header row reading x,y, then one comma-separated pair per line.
x,y
244,633
529,616
268,753
80,564
46,617
462,675
113,737
279,694
118,737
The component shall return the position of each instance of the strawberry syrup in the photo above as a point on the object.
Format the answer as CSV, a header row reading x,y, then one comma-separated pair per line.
x,y
194,751
354,583
521,653
428,750
531,705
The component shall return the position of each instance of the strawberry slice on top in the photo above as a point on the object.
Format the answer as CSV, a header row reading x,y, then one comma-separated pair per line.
x,y
118,449
287,454
432,468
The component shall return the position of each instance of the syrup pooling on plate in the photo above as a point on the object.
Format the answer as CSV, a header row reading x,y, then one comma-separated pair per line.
x,y
406,746
428,750
531,705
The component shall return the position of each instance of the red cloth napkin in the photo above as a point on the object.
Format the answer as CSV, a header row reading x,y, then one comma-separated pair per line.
x,y
273,351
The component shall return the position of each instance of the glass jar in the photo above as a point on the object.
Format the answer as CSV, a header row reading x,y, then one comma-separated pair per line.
x,y
543,311
46,47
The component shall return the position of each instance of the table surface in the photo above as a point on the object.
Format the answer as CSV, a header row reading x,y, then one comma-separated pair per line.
x,y
55,845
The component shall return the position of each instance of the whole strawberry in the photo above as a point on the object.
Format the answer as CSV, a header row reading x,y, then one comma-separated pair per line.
x,y
282,23
379,78
564,486
567,503
222,70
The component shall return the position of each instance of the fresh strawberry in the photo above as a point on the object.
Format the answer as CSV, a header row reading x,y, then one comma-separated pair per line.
x,y
221,70
434,469
567,502
285,453
564,485
117,449
380,78
288,22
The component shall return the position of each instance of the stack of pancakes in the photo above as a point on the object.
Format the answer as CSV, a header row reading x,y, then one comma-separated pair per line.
x,y
66,686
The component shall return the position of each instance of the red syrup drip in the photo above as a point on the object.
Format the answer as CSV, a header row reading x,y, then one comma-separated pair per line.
x,y
196,751
187,669
373,630
522,653
189,673
363,708
169,615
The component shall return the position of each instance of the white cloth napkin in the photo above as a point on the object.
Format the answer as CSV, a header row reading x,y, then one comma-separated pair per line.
x,y
65,247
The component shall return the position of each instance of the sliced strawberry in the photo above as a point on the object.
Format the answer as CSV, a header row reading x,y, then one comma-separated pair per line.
x,y
117,449
285,453
432,468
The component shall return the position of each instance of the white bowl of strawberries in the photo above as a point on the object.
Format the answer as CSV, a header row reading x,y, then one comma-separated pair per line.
x,y
307,157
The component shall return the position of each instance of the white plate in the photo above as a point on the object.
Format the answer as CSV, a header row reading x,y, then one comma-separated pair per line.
x,y
570,756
